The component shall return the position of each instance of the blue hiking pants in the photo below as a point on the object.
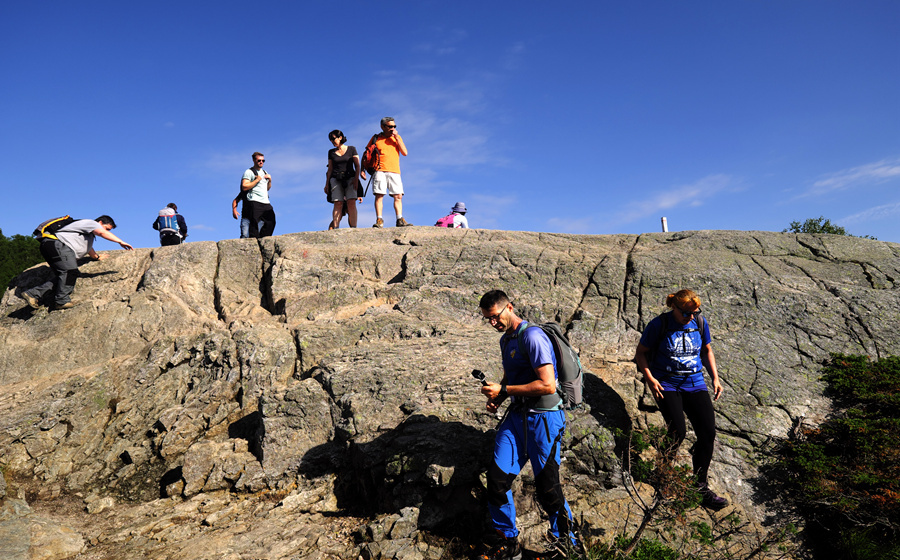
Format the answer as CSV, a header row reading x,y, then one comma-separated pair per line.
x,y
535,437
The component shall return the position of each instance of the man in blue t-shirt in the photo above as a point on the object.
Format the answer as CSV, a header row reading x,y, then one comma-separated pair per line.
x,y
532,430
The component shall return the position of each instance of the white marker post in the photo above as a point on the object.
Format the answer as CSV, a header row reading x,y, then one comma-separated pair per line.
x,y
665,225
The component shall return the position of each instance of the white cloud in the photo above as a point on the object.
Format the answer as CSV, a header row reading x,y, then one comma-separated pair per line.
x,y
872,214
298,160
296,167
876,172
442,122
692,195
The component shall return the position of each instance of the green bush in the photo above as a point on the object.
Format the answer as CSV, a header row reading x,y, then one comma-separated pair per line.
x,y
843,477
16,254
820,225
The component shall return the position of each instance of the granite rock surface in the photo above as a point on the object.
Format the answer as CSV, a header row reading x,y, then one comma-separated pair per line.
x,y
309,396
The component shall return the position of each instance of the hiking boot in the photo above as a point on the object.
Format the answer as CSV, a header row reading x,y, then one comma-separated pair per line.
x,y
506,548
402,223
32,301
710,500
379,223
67,305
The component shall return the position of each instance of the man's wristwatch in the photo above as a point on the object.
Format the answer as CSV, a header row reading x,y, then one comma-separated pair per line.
x,y
503,394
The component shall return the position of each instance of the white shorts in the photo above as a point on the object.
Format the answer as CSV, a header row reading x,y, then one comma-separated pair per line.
x,y
340,192
385,182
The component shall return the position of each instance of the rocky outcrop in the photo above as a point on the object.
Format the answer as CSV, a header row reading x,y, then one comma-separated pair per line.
x,y
247,399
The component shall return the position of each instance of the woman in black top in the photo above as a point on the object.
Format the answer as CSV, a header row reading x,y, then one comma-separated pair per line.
x,y
342,179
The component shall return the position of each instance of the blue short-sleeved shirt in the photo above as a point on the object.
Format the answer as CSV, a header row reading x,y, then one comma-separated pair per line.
x,y
676,361
519,370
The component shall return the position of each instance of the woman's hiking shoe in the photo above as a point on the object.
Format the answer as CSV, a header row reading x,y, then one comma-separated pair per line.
x,y
379,223
402,223
505,548
710,500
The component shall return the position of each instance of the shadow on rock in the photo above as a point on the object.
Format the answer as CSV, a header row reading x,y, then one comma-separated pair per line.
x,y
607,407
424,463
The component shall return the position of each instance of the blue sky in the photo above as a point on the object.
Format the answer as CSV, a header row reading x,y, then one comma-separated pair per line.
x,y
575,117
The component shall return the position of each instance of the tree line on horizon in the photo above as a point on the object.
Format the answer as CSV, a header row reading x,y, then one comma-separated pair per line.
x,y
17,253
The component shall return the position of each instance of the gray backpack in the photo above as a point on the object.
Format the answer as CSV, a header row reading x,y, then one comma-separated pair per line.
x,y
569,371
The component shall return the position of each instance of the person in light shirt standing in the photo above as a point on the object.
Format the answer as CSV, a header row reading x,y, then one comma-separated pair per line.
x,y
257,184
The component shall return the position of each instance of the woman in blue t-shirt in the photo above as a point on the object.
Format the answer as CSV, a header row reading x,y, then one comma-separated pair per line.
x,y
672,353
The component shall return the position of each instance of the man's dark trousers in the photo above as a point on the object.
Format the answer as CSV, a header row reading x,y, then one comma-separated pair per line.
x,y
261,212
64,265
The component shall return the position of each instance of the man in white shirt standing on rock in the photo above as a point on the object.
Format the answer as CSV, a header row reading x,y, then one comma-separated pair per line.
x,y
257,184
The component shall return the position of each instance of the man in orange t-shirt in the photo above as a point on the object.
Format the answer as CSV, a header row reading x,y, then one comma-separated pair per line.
x,y
386,179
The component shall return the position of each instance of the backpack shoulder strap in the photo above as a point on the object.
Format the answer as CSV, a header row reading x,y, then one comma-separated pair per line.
x,y
545,401
505,339
701,324
663,329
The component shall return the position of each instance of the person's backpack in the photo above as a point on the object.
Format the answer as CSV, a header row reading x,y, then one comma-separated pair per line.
x,y
167,223
48,229
662,333
371,157
446,221
569,371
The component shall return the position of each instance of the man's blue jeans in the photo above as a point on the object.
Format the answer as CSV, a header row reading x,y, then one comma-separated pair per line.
x,y
245,227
